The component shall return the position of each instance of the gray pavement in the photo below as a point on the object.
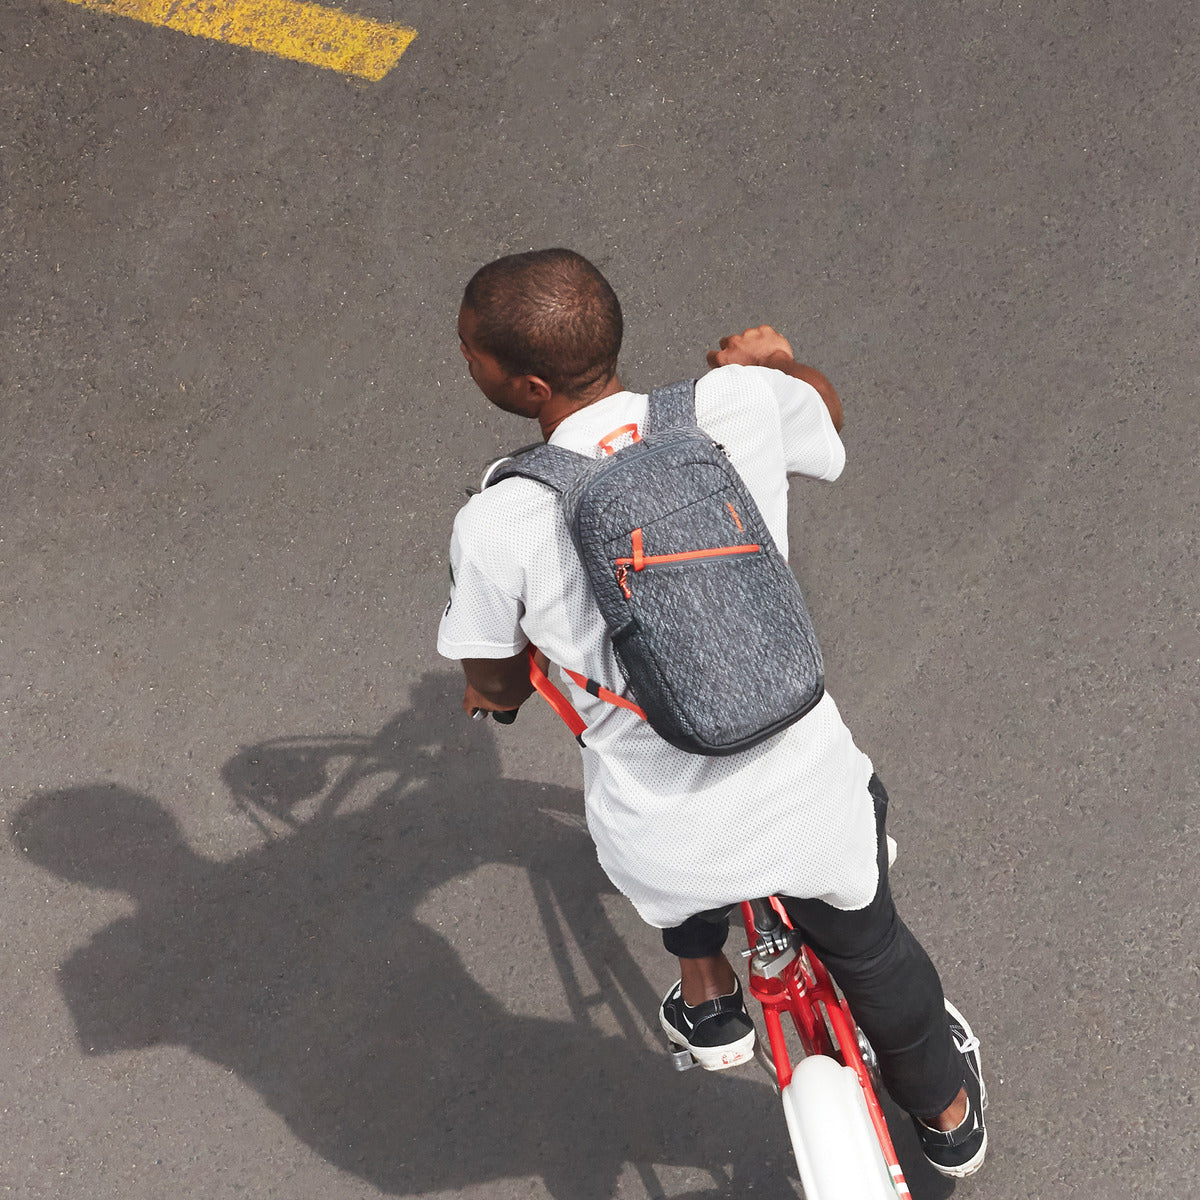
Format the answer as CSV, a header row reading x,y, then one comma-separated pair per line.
x,y
278,922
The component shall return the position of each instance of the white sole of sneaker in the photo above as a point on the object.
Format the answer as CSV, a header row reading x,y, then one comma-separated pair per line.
x,y
712,1058
968,1168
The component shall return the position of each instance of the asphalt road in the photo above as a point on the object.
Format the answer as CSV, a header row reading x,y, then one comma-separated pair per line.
x,y
279,922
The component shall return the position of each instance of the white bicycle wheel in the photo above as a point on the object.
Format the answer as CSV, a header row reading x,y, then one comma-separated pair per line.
x,y
836,1149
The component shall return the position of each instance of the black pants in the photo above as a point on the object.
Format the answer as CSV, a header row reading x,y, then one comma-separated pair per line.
x,y
891,986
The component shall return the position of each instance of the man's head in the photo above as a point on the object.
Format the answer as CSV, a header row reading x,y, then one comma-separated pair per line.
x,y
548,317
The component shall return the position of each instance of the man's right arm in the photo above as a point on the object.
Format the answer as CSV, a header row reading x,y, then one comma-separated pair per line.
x,y
762,346
481,627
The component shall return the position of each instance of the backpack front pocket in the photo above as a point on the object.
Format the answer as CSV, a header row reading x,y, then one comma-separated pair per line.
x,y
726,662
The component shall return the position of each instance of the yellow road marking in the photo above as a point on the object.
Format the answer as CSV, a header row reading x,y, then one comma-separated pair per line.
x,y
310,33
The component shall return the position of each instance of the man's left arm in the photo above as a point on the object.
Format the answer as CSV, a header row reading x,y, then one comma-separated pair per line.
x,y
762,346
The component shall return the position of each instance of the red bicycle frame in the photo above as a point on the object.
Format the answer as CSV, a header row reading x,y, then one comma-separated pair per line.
x,y
822,1020
797,982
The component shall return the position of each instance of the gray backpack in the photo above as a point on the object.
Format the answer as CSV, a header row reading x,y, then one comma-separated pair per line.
x,y
707,620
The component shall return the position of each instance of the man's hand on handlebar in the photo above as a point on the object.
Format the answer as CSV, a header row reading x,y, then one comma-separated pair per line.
x,y
477,706
498,685
762,346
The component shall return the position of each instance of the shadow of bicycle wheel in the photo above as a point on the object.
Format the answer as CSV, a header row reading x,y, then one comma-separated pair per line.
x,y
303,967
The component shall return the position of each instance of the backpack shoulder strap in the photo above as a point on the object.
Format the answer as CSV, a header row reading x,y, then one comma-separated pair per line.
x,y
551,465
673,404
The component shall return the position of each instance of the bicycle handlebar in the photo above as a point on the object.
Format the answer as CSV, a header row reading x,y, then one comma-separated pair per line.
x,y
506,716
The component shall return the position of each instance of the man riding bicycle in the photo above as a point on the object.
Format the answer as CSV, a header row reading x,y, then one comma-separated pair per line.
x,y
801,815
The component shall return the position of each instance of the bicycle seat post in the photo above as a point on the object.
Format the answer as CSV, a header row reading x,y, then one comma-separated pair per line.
x,y
773,948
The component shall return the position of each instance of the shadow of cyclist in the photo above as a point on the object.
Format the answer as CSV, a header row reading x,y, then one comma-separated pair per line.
x,y
301,967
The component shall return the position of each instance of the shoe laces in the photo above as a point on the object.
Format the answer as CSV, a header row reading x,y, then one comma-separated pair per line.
x,y
968,1045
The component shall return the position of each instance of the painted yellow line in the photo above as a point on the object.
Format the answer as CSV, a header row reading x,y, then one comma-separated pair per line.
x,y
310,33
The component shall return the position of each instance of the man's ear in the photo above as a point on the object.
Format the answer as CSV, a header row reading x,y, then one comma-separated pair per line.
x,y
536,388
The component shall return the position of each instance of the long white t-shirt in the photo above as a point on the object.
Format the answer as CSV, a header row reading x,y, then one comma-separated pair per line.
x,y
678,833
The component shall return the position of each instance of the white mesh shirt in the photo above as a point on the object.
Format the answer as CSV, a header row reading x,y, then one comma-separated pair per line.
x,y
678,833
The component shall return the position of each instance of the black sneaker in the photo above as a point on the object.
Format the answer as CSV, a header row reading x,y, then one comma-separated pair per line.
x,y
719,1033
960,1152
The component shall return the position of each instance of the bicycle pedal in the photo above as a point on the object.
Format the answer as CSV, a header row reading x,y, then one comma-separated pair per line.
x,y
681,1058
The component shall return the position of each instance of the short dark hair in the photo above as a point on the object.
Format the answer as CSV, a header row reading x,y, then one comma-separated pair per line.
x,y
548,313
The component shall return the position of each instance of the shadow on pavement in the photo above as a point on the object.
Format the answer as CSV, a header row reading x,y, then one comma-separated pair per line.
x,y
301,967
924,1182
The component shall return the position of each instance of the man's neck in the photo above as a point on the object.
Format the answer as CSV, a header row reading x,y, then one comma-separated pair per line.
x,y
558,408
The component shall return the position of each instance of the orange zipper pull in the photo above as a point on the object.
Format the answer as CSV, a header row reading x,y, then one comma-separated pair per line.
x,y
623,582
